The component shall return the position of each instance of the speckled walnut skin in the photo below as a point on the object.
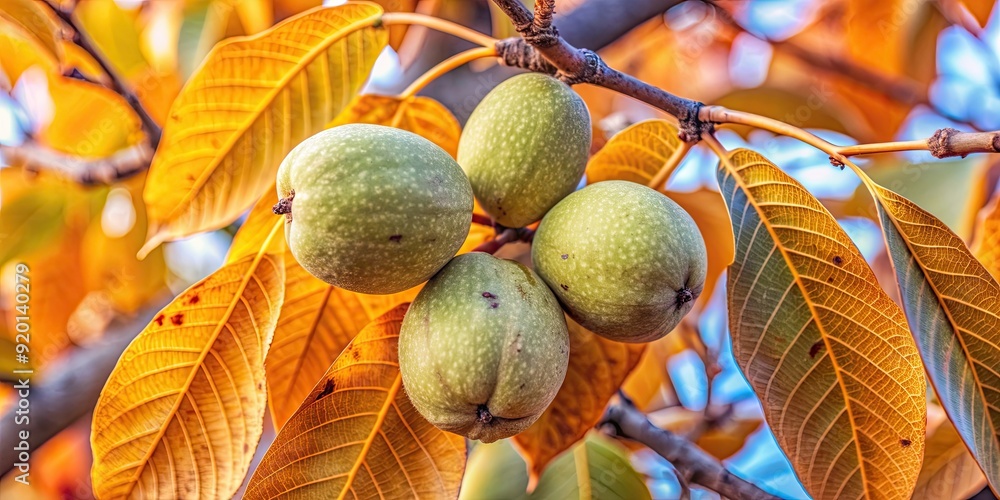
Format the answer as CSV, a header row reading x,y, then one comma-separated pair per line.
x,y
525,147
483,348
625,261
375,209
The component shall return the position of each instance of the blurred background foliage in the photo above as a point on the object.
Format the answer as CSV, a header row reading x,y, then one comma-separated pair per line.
x,y
849,70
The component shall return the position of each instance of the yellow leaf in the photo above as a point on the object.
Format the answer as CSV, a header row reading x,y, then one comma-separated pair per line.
x,y
254,15
635,154
89,120
357,435
109,260
597,367
377,305
709,212
646,384
115,32
317,321
19,55
949,471
157,91
647,380
826,350
421,115
257,227
953,304
56,288
987,242
250,103
31,18
183,410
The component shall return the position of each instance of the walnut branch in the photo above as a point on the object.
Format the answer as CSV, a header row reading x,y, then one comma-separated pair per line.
x,y
118,84
541,49
950,142
692,464
82,170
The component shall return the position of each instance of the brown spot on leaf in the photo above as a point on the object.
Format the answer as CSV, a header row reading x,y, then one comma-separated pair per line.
x,y
355,354
830,279
905,442
159,320
494,305
177,319
815,348
564,287
565,256
396,238
489,295
327,389
194,299
838,260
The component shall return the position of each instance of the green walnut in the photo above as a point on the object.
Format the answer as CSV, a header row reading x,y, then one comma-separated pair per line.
x,y
625,261
483,348
525,147
373,209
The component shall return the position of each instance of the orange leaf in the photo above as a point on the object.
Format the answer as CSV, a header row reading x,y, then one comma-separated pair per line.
x,y
183,410
317,321
650,377
89,120
597,367
986,246
357,434
709,212
949,471
721,440
31,18
421,115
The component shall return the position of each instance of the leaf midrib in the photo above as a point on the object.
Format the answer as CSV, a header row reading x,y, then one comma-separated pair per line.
x,y
141,464
309,338
268,101
823,333
366,447
947,311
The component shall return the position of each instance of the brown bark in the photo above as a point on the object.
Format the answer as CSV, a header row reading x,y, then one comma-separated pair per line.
x,y
693,465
